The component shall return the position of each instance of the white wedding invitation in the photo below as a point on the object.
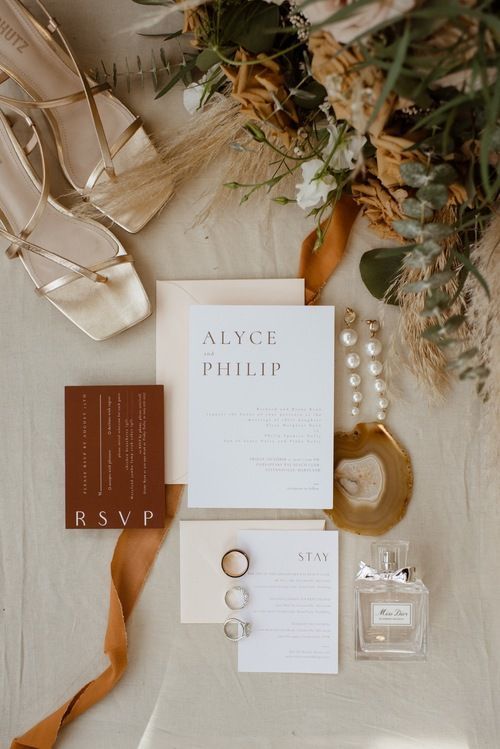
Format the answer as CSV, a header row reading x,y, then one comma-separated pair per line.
x,y
202,545
261,406
292,584
173,302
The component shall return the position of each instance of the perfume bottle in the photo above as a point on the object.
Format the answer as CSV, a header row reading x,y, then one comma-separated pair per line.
x,y
391,606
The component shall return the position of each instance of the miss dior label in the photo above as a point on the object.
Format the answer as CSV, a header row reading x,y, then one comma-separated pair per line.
x,y
392,613
114,457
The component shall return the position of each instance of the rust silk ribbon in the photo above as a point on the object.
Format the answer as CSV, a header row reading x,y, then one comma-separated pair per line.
x,y
133,557
316,266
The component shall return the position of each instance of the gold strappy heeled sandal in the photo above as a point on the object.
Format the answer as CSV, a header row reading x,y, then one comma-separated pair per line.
x,y
86,273
97,137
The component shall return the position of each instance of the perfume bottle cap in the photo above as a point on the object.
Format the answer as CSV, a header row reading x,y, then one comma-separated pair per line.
x,y
388,556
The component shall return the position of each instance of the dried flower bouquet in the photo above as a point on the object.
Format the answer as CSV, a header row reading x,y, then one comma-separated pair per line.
x,y
394,102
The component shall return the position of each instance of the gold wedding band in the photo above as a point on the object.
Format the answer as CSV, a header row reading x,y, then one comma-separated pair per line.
x,y
235,563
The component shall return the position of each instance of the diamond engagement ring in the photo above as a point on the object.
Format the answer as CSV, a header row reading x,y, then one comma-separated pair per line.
x,y
235,629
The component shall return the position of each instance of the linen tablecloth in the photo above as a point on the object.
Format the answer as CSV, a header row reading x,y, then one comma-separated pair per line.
x,y
182,689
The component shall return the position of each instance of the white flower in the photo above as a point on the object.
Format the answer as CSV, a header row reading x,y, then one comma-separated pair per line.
x,y
313,191
347,152
192,96
276,2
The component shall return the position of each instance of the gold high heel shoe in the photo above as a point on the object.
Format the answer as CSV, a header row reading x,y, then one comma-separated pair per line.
x,y
76,264
97,137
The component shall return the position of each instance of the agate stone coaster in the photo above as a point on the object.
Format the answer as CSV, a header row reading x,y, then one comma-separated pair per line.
x,y
373,480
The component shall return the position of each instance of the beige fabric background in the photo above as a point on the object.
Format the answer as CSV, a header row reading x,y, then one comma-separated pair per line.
x,y
181,690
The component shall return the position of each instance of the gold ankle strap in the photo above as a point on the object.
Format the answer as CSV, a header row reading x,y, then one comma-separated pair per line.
x,y
61,101
88,92
18,244
58,283
33,142
53,26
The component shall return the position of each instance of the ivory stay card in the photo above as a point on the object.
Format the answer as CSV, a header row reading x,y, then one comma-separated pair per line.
x,y
114,456
292,584
261,406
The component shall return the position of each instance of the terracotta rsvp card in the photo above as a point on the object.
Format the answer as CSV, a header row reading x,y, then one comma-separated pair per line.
x,y
114,456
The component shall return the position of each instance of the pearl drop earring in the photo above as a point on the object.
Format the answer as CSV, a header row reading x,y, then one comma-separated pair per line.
x,y
373,348
348,338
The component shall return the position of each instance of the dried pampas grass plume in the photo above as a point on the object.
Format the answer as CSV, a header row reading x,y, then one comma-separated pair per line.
x,y
180,157
215,133
484,319
425,359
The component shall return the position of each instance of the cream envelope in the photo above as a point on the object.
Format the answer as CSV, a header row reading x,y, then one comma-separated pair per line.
x,y
202,545
173,300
